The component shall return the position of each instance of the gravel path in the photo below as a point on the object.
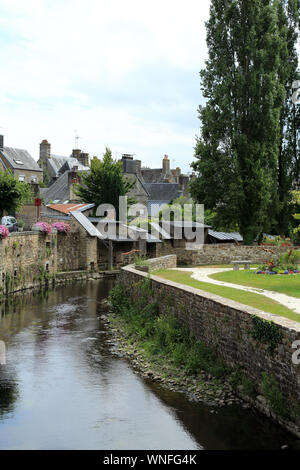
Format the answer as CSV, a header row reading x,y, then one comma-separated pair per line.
x,y
202,274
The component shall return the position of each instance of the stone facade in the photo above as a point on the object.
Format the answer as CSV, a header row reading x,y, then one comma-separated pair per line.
x,y
225,326
26,259
219,254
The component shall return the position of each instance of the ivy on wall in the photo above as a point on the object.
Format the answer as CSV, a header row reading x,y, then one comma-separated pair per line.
x,y
266,332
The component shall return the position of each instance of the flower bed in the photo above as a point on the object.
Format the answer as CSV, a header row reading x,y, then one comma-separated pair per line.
x,y
4,232
287,263
61,227
42,227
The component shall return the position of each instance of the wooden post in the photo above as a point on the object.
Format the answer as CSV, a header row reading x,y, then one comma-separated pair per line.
x,y
110,255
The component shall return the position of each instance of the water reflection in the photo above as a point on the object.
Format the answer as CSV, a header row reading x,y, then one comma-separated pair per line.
x,y
61,387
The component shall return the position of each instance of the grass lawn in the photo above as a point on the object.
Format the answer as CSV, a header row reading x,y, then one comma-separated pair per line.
x,y
258,301
285,284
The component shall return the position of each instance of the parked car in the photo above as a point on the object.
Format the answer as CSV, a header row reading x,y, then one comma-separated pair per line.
x,y
10,222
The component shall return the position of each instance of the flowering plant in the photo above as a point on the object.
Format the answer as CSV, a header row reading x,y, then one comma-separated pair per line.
x,y
42,227
4,232
61,227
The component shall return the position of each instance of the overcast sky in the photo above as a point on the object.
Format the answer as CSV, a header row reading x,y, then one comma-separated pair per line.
x,y
125,74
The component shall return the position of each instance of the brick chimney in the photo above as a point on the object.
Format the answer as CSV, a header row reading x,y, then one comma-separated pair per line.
x,y
45,152
166,164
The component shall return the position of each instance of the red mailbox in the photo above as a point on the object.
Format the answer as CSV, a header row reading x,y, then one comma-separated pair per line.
x,y
37,203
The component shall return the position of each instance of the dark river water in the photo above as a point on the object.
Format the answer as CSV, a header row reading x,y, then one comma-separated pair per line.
x,y
61,387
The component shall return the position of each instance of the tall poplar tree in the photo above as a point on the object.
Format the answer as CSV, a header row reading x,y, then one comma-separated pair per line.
x,y
237,152
289,148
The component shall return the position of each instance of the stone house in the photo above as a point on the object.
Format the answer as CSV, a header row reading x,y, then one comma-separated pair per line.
x,y
167,175
20,163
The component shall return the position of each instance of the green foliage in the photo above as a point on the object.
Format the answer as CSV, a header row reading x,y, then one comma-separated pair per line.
x,y
290,259
245,90
163,336
266,332
274,396
140,261
12,193
104,183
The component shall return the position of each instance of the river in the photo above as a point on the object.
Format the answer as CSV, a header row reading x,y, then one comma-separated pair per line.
x,y
62,388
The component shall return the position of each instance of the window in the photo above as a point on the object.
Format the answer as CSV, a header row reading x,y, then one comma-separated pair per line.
x,y
33,179
21,178
18,162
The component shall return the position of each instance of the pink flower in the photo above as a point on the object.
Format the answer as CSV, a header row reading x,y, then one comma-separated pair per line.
x,y
61,227
4,232
44,227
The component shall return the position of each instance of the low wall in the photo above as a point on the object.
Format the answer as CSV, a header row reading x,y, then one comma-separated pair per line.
x,y
221,253
225,326
164,262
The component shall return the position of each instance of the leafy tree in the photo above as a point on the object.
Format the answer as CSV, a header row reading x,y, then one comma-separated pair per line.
x,y
12,193
296,201
104,183
289,147
237,152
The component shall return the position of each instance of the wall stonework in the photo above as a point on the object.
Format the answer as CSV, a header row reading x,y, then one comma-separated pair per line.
x,y
220,253
224,326
26,259
164,262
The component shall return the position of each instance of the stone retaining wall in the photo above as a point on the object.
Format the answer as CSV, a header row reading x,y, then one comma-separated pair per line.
x,y
164,262
221,253
225,326
26,260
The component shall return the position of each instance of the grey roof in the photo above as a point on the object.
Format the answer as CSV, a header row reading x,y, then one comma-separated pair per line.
x,y
70,163
56,164
162,191
226,235
59,191
152,175
13,156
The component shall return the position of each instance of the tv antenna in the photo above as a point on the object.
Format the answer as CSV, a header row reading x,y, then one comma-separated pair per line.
x,y
76,139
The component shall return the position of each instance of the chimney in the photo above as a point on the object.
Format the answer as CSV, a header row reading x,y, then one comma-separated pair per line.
x,y
166,164
1,142
45,152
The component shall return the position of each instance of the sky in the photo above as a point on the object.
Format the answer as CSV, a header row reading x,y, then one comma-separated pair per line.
x,y
123,74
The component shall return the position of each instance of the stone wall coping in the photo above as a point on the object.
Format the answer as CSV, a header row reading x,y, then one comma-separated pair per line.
x,y
161,258
283,322
21,234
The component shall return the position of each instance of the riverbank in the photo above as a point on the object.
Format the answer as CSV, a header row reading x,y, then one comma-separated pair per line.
x,y
164,349
203,388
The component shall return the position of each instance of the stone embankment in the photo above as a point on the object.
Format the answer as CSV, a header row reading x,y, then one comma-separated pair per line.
x,y
258,343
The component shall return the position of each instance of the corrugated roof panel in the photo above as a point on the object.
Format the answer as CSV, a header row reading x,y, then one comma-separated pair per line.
x,y
87,225
226,235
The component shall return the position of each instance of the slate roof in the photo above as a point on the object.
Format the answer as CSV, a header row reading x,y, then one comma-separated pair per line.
x,y
56,164
13,156
152,175
59,191
162,191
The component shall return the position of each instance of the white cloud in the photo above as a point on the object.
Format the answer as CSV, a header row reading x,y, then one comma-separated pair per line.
x,y
67,63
